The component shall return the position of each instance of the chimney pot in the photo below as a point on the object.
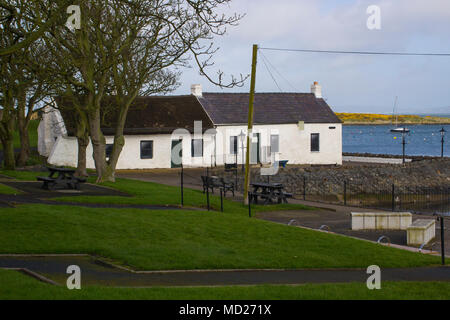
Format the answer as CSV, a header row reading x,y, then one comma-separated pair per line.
x,y
196,90
316,89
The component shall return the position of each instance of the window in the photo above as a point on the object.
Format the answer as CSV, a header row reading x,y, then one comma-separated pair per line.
x,y
315,142
109,149
233,145
197,148
146,149
274,143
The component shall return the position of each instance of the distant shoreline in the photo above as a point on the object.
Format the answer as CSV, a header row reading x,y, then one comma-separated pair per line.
x,y
383,119
391,124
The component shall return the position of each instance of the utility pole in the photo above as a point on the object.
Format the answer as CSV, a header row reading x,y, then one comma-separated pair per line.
x,y
250,123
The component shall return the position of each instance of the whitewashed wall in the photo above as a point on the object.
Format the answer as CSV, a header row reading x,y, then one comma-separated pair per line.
x,y
294,143
65,152
294,146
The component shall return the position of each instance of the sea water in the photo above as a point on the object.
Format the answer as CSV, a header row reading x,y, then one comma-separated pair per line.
x,y
422,140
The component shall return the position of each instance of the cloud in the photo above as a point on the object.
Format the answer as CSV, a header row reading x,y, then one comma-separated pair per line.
x,y
407,25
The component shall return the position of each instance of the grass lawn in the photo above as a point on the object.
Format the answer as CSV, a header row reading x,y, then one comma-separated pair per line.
x,y
148,193
23,175
14,285
158,240
8,190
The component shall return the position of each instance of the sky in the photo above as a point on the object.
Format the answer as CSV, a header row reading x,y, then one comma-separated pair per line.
x,y
351,83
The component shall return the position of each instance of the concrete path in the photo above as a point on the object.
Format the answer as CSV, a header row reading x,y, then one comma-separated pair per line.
x,y
96,272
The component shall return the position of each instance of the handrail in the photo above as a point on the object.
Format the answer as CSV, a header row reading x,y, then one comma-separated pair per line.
x,y
384,237
424,244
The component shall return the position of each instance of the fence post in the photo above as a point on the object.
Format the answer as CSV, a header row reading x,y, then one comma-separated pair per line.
x,y
345,192
207,193
249,205
221,199
393,197
304,188
182,184
442,240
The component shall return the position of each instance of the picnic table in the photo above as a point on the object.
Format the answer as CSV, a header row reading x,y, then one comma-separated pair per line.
x,y
61,177
270,192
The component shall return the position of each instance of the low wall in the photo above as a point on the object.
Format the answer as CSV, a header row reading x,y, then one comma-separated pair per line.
x,y
329,180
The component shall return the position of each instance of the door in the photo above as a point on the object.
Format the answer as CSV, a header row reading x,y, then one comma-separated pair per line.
x,y
255,149
176,153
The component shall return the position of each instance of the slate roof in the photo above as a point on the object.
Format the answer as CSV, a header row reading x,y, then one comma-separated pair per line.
x,y
164,114
150,115
269,108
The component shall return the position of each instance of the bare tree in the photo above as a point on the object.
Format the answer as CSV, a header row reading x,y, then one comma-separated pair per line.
x,y
127,48
35,12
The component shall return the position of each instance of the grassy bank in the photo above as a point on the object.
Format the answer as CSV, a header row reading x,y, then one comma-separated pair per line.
x,y
369,118
15,286
158,240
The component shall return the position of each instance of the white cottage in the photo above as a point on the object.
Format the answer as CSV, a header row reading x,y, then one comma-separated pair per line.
x,y
210,129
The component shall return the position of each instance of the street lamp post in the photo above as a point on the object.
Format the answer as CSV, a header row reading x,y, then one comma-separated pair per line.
x,y
403,131
242,136
403,143
442,131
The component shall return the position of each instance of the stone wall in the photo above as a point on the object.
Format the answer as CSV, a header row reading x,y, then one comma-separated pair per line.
x,y
329,180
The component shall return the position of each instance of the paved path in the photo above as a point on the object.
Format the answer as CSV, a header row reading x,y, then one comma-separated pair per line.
x,y
32,193
96,272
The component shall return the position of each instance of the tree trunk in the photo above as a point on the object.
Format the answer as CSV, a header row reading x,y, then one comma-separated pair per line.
x,y
24,153
7,138
104,172
9,162
23,129
83,142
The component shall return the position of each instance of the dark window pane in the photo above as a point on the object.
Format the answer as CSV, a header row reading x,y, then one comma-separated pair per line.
x,y
315,142
274,143
197,148
233,144
146,149
109,149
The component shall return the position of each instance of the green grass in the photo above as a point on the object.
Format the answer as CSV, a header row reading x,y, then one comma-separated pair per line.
x,y
23,175
8,190
148,193
32,132
14,285
158,240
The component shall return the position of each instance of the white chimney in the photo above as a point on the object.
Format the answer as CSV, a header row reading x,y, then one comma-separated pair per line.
x,y
196,90
316,88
